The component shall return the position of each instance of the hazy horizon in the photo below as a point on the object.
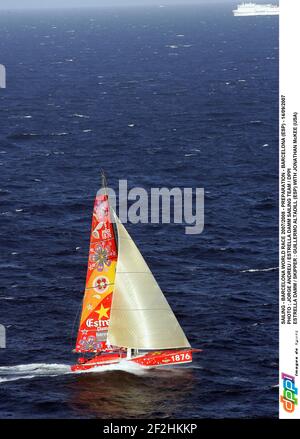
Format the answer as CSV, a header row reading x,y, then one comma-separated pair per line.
x,y
62,4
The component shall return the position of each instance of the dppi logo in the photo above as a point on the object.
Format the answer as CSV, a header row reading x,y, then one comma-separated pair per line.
x,y
288,399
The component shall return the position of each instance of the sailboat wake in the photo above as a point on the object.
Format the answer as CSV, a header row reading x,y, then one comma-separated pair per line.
x,y
36,370
40,370
123,365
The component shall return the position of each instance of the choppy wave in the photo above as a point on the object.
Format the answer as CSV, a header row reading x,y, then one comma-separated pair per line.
x,y
28,136
254,270
81,116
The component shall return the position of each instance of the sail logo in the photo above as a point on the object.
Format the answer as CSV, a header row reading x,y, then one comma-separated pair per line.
x,y
2,76
288,398
101,284
91,323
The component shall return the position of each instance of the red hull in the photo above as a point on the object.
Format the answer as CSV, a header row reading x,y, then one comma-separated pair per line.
x,y
150,359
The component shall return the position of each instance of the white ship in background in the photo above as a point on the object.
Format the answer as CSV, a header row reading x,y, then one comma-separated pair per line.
x,y
246,9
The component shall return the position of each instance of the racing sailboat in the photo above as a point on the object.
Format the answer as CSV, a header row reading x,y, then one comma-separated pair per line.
x,y
125,315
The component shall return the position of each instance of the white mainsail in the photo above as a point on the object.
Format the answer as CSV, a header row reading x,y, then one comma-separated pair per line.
x,y
141,317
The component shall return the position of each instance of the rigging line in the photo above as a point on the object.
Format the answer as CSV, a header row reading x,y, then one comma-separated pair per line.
x,y
143,309
134,272
93,330
55,286
104,182
104,240
93,288
109,257
112,219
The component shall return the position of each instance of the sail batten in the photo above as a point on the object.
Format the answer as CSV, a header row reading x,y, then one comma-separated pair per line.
x,y
141,317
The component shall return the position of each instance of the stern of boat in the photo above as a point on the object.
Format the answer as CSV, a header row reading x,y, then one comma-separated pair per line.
x,y
165,358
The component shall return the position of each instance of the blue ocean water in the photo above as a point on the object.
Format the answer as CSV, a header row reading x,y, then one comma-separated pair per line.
x,y
175,97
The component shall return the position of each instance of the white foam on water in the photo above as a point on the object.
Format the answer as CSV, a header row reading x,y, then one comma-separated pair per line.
x,y
36,370
39,368
5,380
81,115
254,270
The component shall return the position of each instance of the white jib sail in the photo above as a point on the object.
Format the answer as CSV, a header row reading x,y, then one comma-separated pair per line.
x,y
141,317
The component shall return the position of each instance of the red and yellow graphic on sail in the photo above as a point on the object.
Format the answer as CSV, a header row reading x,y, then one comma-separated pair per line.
x,y
92,333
